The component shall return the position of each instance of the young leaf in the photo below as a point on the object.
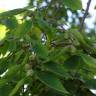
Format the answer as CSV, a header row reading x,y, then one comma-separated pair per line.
x,y
51,81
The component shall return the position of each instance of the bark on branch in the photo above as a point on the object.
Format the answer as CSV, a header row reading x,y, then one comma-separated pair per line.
x,y
85,15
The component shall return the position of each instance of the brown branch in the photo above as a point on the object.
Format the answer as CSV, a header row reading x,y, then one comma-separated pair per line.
x,y
85,15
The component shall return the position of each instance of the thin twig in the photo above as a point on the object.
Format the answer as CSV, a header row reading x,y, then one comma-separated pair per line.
x,y
85,15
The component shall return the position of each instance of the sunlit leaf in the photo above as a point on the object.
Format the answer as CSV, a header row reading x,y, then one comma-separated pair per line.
x,y
11,13
23,29
77,5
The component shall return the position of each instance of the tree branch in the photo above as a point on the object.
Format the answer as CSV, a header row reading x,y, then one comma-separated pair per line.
x,y
85,15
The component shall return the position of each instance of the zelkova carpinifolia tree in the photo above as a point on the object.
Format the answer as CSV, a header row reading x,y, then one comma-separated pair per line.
x,y
40,57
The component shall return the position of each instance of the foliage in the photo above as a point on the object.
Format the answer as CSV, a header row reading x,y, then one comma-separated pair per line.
x,y
40,57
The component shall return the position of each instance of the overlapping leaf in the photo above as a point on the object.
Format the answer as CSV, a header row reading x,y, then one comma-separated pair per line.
x,y
16,88
56,68
51,81
11,13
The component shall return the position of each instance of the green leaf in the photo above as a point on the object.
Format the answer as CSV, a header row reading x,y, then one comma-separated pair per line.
x,y
52,81
83,41
3,82
74,62
40,49
18,85
11,13
58,54
11,72
4,48
88,60
73,4
3,65
26,26
45,27
23,29
18,55
91,83
10,23
56,68
5,90
37,32
78,36
12,46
